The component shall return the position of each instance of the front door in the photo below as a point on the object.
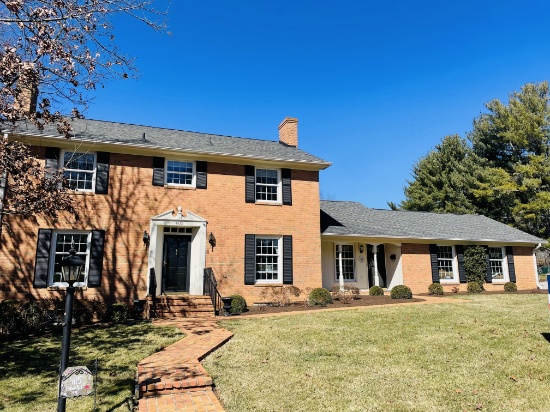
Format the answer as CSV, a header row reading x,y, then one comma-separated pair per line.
x,y
175,276
381,263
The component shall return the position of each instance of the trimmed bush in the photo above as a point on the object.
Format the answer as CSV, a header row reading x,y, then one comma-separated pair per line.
x,y
319,297
510,287
475,264
238,305
279,295
401,292
474,287
376,291
435,289
118,312
347,294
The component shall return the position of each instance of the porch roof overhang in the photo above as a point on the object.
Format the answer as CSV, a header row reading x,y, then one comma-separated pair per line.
x,y
353,221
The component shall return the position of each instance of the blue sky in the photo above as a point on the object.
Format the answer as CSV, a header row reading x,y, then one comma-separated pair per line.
x,y
374,84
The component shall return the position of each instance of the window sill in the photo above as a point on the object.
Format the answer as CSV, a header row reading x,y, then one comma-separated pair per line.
x,y
449,282
61,287
268,203
180,187
263,285
83,193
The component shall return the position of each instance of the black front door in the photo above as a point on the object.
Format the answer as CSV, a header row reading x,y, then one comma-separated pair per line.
x,y
175,277
381,263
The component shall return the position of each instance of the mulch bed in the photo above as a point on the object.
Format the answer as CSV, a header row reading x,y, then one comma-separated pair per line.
x,y
363,300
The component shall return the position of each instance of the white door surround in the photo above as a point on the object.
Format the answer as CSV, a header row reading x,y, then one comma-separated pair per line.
x,y
197,261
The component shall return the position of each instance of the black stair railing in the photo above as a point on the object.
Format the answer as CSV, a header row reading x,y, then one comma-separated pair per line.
x,y
153,292
210,288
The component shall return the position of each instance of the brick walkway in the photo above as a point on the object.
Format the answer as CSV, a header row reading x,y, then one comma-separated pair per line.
x,y
173,379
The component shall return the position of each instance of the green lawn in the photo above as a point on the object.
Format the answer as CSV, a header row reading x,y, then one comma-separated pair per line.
x,y
487,354
29,367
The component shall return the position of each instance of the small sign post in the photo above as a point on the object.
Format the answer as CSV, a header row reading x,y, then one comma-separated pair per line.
x,y
548,288
77,381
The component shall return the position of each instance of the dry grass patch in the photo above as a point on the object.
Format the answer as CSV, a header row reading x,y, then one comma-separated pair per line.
x,y
487,355
29,367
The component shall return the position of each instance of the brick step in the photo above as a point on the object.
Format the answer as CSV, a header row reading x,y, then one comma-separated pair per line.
x,y
183,306
185,314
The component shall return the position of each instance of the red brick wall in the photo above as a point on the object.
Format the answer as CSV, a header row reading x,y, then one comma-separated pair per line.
x,y
125,214
417,272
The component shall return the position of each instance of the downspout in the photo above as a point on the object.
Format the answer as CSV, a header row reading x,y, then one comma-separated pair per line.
x,y
3,183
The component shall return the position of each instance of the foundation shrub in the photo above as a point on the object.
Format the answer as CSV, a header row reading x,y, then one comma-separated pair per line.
x,y
319,297
279,295
345,294
118,312
474,287
435,289
376,291
238,305
510,287
401,292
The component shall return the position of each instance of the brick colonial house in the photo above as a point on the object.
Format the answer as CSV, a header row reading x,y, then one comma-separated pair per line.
x,y
159,206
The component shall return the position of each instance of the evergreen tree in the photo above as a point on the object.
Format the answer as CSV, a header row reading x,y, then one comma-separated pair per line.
x,y
442,180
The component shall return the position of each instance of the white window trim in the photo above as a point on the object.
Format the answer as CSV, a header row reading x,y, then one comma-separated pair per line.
x,y
94,174
279,280
279,200
53,244
336,264
193,179
506,275
455,278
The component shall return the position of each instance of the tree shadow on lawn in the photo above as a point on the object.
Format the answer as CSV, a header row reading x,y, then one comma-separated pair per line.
x,y
36,359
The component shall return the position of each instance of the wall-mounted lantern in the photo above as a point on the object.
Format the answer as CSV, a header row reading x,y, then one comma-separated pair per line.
x,y
146,238
212,240
361,249
393,257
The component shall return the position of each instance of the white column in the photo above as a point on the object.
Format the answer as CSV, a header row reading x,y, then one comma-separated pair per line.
x,y
376,274
340,266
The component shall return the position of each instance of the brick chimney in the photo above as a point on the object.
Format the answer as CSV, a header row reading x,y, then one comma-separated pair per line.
x,y
26,101
288,132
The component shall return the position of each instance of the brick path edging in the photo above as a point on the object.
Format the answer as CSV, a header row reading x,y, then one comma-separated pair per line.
x,y
173,379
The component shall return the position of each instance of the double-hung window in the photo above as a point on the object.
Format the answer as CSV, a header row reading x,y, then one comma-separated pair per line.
x,y
180,173
268,259
62,242
497,264
446,263
79,169
268,185
345,262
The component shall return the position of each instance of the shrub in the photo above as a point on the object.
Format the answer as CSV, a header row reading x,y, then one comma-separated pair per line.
x,y
347,294
474,287
475,264
376,291
401,292
510,287
435,289
238,305
279,296
118,312
319,297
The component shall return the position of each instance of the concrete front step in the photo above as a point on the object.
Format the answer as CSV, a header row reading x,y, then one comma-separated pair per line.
x,y
182,306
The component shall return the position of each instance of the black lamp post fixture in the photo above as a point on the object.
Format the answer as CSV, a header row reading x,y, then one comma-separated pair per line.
x,y
71,268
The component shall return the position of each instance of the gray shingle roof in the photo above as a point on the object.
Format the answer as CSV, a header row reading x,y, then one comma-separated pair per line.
x,y
177,140
355,219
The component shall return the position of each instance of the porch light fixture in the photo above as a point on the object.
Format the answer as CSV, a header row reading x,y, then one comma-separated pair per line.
x,y
212,240
361,249
146,238
393,257
71,269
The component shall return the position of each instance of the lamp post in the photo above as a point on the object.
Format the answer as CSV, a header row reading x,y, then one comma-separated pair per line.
x,y
71,268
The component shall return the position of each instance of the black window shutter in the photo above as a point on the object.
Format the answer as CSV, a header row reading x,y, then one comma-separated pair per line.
x,y
52,161
287,189
287,260
96,258
511,267
489,277
201,175
102,173
250,184
249,259
435,266
158,171
42,265
460,258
